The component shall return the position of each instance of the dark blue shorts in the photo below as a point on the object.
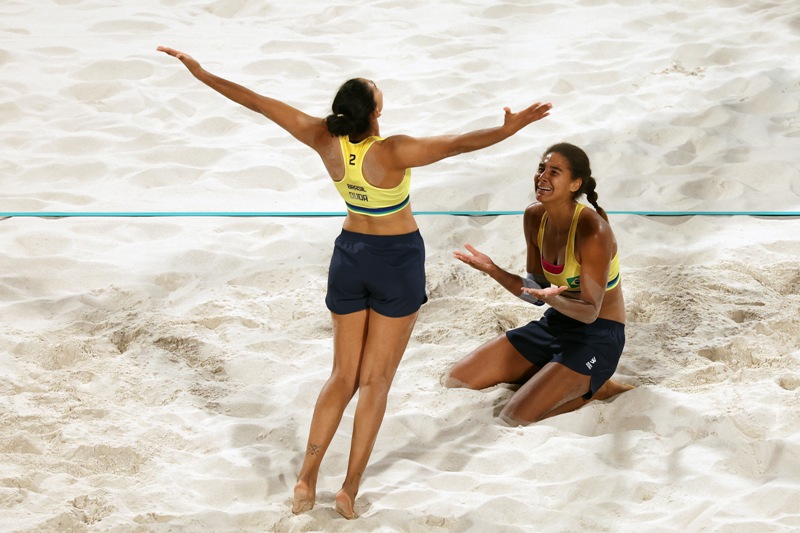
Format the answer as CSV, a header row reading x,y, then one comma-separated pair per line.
x,y
385,273
589,349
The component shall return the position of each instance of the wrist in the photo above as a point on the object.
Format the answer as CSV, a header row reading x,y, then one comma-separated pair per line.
x,y
510,129
493,270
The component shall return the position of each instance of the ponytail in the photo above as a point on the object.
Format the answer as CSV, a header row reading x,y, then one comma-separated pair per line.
x,y
352,107
340,124
588,188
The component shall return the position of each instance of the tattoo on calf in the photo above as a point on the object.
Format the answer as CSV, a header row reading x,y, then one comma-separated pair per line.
x,y
314,449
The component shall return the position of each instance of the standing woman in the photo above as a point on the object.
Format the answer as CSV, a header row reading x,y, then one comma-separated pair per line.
x,y
566,358
376,282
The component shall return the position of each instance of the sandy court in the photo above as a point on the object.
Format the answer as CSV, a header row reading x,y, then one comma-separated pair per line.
x,y
159,374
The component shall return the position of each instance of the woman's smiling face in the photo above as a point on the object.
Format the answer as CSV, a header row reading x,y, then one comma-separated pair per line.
x,y
553,178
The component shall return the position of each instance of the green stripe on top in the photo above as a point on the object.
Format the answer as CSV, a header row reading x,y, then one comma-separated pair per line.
x,y
378,211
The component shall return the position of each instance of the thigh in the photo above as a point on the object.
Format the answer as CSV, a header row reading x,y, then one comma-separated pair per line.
x,y
496,361
385,343
349,339
552,386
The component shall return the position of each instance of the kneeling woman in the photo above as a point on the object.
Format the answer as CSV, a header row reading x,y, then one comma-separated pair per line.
x,y
566,358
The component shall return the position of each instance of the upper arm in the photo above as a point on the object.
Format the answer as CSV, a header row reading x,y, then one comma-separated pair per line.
x,y
309,130
305,128
594,249
405,151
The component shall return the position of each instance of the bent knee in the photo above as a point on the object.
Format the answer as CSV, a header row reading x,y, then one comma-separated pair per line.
x,y
511,418
451,381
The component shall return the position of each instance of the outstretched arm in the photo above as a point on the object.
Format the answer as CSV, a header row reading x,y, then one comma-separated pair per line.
x,y
305,128
407,152
480,261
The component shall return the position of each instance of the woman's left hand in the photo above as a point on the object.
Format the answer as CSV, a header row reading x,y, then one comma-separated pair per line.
x,y
546,293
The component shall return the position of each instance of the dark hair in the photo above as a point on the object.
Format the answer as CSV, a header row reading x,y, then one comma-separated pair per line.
x,y
352,106
580,168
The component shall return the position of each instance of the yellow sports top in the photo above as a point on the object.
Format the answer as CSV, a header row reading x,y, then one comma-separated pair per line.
x,y
569,273
360,196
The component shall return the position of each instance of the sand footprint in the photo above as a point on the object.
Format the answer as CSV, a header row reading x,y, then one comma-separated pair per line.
x,y
5,57
192,352
112,69
105,459
234,8
682,155
94,92
713,188
790,383
117,27
92,509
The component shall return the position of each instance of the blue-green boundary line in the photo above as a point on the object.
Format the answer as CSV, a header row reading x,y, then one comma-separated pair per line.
x,y
313,214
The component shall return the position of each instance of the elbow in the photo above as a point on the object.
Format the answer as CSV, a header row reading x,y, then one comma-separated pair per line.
x,y
589,316
456,149
466,144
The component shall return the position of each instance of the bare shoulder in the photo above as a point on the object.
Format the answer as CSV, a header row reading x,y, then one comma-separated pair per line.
x,y
392,149
533,213
532,217
394,142
534,210
592,226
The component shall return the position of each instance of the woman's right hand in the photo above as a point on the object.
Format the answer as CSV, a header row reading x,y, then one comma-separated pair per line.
x,y
188,61
475,259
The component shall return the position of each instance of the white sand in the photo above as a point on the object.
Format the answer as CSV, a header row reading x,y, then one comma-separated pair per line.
x,y
159,374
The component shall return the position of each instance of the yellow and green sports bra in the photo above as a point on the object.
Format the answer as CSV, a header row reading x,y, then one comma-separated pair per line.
x,y
569,273
360,196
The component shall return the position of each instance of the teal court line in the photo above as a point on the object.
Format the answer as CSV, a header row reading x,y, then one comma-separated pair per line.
x,y
308,214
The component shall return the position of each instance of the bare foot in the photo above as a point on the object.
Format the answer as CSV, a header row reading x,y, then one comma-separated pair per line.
x,y
344,505
611,388
303,500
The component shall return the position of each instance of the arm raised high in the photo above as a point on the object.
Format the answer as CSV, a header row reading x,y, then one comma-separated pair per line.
x,y
305,128
407,152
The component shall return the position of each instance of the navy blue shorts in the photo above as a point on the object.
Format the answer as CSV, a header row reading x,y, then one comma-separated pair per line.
x,y
385,273
589,349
